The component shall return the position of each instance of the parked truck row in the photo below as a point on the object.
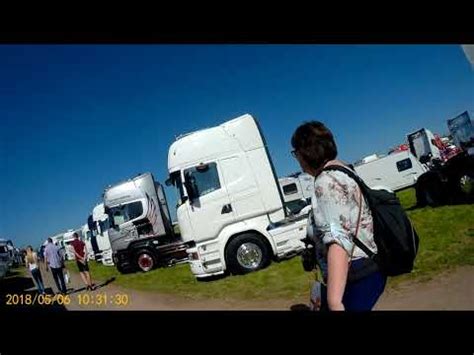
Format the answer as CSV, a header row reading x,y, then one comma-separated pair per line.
x,y
234,215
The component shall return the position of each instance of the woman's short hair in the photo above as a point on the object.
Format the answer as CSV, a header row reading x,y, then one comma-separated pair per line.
x,y
315,143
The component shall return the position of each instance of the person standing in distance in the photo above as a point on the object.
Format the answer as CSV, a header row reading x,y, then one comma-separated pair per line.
x,y
80,252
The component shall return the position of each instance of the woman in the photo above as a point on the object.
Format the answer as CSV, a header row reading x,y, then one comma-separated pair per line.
x,y
339,213
31,261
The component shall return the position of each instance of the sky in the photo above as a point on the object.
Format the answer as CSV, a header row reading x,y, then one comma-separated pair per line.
x,y
76,118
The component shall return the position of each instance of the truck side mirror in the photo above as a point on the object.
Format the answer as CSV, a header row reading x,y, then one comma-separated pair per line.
x,y
190,189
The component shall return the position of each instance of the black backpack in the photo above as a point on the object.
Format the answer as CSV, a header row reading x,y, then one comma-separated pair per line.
x,y
395,237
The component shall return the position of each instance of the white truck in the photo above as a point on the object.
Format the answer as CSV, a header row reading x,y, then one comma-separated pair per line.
x,y
87,238
142,234
297,190
230,203
101,225
395,171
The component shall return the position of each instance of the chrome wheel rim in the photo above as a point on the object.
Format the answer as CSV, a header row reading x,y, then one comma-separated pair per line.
x,y
145,262
249,255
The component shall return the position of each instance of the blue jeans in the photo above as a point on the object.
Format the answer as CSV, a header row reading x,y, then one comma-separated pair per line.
x,y
58,277
36,274
361,295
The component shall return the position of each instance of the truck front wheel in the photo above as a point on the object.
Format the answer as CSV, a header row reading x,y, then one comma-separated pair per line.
x,y
246,253
145,260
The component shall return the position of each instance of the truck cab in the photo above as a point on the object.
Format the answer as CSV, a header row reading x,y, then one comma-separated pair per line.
x,y
87,237
422,146
101,225
229,200
297,190
141,233
68,238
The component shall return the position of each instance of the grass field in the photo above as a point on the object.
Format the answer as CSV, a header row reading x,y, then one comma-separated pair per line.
x,y
446,241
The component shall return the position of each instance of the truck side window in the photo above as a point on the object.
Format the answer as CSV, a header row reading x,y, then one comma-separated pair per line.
x,y
206,180
127,212
404,164
135,210
290,189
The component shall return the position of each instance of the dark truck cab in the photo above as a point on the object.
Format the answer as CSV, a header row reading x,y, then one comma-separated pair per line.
x,y
449,180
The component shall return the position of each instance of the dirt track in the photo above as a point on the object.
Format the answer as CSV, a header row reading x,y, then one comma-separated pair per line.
x,y
450,291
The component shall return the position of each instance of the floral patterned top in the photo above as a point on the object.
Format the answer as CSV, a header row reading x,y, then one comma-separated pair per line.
x,y
335,215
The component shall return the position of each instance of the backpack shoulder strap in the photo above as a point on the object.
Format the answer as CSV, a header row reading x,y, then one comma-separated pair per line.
x,y
363,188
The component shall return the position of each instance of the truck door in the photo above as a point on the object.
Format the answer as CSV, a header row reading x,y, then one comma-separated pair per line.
x,y
93,231
208,204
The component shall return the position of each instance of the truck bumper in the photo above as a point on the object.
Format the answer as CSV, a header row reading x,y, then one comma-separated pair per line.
x,y
205,264
107,258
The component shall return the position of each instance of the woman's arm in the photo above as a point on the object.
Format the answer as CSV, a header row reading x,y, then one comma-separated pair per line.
x,y
338,267
335,210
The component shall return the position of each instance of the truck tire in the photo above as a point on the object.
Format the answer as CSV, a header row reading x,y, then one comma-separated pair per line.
x,y
121,269
145,260
246,253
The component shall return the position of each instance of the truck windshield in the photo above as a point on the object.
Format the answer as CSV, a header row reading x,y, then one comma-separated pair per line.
x,y
419,145
124,213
